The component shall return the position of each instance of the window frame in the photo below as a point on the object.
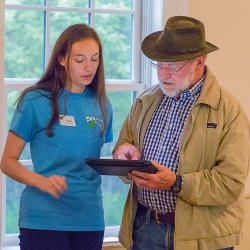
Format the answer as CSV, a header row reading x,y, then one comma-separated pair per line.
x,y
149,10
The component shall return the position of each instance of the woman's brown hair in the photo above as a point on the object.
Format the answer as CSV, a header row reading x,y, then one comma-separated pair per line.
x,y
55,76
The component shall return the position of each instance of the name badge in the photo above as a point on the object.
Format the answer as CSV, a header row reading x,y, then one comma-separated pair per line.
x,y
67,120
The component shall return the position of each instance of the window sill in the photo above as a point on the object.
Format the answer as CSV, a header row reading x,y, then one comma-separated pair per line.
x,y
112,245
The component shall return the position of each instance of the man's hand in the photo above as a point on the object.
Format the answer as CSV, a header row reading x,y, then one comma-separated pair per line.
x,y
127,151
163,179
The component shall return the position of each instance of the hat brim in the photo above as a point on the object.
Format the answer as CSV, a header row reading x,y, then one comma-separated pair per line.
x,y
151,51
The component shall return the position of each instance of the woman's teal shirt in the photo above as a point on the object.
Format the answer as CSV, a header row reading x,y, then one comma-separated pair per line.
x,y
75,138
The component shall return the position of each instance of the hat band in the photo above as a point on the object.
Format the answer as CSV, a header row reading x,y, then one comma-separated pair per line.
x,y
183,51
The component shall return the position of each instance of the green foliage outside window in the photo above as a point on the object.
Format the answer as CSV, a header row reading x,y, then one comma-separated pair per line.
x,y
25,40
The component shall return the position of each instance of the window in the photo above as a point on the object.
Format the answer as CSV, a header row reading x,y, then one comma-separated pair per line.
x,y
29,29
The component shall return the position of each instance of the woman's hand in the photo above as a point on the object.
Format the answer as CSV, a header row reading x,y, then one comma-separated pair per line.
x,y
54,185
10,165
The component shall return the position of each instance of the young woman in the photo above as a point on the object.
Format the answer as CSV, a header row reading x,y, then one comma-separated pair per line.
x,y
66,118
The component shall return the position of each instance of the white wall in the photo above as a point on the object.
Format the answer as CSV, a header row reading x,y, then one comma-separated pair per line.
x,y
227,26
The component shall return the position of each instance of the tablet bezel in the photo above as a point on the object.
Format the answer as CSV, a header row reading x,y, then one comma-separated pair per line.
x,y
120,167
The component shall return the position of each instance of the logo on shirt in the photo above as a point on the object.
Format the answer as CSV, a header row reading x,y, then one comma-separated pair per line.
x,y
211,125
93,121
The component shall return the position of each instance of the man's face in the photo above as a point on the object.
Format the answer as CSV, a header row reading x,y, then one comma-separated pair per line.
x,y
175,77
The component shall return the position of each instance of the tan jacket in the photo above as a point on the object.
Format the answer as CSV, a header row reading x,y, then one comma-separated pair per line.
x,y
213,161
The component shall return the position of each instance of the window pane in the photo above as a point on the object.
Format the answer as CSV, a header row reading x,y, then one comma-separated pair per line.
x,y
114,195
11,101
116,34
114,4
13,192
25,50
70,3
13,188
31,2
61,20
114,190
121,102
23,43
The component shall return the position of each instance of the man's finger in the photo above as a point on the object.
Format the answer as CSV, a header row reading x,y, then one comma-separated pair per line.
x,y
157,165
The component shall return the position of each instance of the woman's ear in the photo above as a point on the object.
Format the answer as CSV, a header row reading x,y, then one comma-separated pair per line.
x,y
61,61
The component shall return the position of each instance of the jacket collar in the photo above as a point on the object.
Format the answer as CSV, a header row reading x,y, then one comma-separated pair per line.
x,y
211,91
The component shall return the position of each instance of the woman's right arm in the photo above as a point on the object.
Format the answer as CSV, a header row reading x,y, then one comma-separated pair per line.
x,y
54,185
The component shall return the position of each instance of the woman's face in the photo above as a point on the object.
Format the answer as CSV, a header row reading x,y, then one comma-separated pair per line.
x,y
83,64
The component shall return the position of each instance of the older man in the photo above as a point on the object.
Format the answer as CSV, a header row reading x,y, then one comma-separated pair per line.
x,y
197,136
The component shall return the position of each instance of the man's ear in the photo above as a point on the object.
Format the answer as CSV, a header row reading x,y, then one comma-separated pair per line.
x,y
201,60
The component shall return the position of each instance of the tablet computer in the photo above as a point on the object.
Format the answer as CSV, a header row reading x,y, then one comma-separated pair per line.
x,y
120,167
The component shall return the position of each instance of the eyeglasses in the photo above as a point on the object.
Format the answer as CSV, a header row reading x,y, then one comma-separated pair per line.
x,y
172,67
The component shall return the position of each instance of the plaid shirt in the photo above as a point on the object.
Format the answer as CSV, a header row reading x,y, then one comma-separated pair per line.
x,y
161,143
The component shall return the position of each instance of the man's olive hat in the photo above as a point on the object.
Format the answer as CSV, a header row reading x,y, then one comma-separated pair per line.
x,y
183,38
